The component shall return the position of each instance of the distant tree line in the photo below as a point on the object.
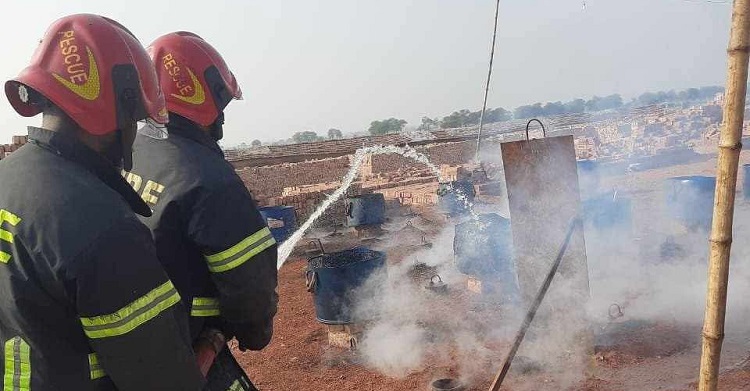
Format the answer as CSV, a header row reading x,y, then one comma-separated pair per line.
x,y
465,117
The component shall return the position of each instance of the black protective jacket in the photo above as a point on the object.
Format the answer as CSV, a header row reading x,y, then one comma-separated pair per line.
x,y
209,234
84,303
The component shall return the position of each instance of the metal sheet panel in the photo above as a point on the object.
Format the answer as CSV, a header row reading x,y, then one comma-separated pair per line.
x,y
543,197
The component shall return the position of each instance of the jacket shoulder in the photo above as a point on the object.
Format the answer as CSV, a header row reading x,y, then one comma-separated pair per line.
x,y
63,207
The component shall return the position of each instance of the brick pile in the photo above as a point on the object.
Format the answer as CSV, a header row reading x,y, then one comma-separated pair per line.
x,y
305,185
306,203
17,142
453,153
267,182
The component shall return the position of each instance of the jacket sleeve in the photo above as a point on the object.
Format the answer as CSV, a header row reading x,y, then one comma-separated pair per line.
x,y
241,256
132,315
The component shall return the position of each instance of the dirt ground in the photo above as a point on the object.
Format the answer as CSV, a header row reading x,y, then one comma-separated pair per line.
x,y
635,355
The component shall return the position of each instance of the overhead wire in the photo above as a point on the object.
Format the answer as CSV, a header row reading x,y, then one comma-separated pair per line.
x,y
487,85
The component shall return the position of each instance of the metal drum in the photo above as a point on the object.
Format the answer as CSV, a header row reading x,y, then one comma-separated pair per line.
x,y
484,248
333,277
689,200
365,209
608,210
588,176
282,220
455,197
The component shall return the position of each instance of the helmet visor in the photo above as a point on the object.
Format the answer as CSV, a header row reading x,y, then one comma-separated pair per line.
x,y
150,128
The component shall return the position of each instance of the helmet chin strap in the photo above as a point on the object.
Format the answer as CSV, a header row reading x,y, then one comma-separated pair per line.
x,y
216,129
120,152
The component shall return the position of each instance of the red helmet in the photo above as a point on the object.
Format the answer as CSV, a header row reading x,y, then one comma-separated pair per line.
x,y
196,81
95,71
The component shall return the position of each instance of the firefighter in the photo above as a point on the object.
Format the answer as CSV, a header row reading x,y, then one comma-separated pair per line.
x,y
209,235
85,304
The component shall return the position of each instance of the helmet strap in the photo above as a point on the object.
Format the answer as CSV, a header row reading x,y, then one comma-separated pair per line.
x,y
216,129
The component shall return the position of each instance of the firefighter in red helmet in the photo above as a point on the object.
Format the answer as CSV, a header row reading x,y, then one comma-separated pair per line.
x,y
210,237
85,303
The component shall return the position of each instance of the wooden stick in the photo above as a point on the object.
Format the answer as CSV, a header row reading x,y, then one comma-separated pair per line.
x,y
534,307
726,176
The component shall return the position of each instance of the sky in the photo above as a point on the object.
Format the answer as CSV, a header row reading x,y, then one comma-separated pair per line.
x,y
320,64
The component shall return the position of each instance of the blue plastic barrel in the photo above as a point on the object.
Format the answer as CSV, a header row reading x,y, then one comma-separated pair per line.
x,y
365,209
607,210
455,197
282,220
588,176
689,200
746,181
334,278
484,248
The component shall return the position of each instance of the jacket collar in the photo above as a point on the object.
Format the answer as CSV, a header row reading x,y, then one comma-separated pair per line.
x,y
73,150
182,127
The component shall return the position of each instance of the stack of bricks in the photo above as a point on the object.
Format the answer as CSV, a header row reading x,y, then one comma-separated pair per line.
x,y
17,142
306,203
424,194
268,182
452,153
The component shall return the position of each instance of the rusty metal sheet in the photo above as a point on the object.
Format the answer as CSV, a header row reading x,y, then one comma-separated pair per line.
x,y
543,197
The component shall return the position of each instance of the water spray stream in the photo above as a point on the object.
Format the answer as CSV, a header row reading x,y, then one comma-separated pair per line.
x,y
359,157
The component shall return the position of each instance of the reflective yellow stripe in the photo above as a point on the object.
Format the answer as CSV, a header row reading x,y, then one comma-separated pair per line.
x,y
95,370
205,306
133,315
4,257
9,217
6,236
17,365
241,252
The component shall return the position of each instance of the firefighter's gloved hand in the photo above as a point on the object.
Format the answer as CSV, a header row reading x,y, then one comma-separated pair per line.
x,y
252,336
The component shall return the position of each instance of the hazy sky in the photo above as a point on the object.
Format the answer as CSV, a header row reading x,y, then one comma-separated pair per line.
x,y
313,65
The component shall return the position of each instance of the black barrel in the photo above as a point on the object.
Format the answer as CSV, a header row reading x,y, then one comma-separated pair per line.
x,y
455,197
608,210
484,248
588,176
333,278
365,209
689,200
281,220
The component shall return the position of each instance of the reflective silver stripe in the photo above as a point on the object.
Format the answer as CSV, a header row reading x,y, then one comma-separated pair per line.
x,y
205,306
17,375
133,315
95,369
241,252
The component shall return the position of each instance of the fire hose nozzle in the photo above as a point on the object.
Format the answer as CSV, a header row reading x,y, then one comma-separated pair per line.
x,y
208,345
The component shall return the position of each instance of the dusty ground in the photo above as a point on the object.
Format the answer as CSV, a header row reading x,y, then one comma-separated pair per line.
x,y
630,355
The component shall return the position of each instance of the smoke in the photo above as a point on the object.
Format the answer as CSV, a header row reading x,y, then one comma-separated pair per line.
x,y
652,269
410,327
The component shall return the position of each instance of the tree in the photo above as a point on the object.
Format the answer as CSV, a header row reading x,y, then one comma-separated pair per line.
x,y
307,136
256,143
428,124
575,106
334,134
691,94
456,119
554,108
390,125
606,103
528,111
497,114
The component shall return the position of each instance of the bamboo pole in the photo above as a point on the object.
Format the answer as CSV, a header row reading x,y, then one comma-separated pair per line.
x,y
726,176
